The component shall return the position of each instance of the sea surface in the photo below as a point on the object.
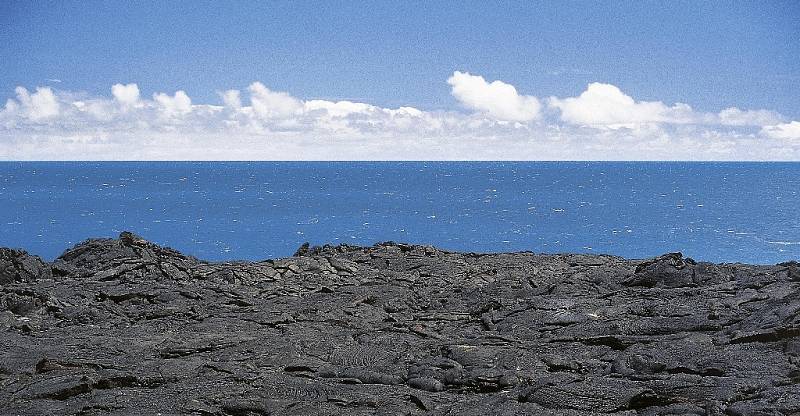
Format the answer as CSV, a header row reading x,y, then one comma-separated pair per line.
x,y
721,212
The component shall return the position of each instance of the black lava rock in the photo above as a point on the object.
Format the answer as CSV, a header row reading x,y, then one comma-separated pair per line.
x,y
124,326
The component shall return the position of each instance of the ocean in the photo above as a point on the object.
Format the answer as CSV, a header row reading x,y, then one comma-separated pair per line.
x,y
721,212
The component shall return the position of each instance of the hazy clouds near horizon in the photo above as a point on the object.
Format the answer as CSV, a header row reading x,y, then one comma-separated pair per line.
x,y
494,121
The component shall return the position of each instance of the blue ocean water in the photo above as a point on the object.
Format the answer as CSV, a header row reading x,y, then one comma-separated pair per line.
x,y
722,212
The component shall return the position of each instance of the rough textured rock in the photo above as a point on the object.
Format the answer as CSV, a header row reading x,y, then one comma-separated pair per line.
x,y
123,326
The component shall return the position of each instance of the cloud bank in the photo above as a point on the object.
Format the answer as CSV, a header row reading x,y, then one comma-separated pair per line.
x,y
493,121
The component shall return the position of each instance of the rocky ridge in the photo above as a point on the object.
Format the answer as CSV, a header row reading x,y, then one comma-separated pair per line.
x,y
124,326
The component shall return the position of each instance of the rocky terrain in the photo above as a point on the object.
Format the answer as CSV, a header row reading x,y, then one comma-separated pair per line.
x,y
123,326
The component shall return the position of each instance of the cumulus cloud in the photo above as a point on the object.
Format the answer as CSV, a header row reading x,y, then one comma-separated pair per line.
x,y
261,123
785,131
40,105
101,110
177,105
232,99
338,108
272,104
606,105
497,99
735,117
127,95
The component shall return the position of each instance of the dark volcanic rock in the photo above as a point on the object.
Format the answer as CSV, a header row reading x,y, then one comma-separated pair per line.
x,y
123,326
18,266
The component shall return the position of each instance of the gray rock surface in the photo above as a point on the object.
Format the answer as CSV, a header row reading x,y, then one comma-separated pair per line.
x,y
123,326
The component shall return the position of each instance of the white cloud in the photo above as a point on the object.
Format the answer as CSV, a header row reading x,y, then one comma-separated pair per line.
x,y
232,99
40,105
735,117
606,105
127,95
98,109
785,131
338,108
272,104
497,99
178,105
261,123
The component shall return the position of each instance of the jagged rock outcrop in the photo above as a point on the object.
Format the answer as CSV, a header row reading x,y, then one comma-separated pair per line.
x,y
18,266
123,326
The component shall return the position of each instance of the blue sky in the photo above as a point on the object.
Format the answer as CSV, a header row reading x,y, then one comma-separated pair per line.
x,y
709,55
